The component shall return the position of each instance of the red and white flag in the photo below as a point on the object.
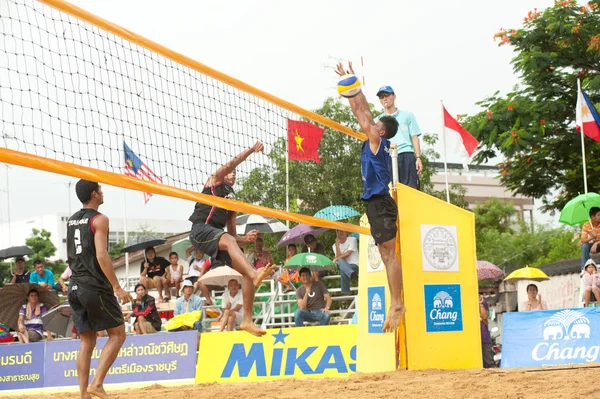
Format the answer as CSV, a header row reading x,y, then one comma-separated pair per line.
x,y
458,139
134,167
587,117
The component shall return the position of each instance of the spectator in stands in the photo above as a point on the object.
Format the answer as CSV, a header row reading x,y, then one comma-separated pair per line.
x,y
314,300
534,301
590,282
232,304
487,350
590,236
199,264
345,249
147,319
30,325
188,303
20,275
61,286
43,277
286,276
312,245
260,257
152,274
174,274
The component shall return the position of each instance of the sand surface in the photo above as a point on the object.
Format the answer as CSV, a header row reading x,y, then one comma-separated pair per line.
x,y
576,382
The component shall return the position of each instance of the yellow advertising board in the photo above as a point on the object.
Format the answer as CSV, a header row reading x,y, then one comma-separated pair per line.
x,y
440,282
375,350
304,352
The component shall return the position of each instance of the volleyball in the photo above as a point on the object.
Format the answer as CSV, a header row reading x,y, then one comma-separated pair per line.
x,y
348,86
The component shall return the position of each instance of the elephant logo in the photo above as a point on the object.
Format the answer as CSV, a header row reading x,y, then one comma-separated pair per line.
x,y
442,300
567,324
376,302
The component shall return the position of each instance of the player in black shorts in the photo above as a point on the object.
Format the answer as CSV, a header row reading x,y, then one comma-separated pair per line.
x,y
382,210
93,288
208,236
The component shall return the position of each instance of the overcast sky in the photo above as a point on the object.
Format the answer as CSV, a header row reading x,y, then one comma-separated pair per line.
x,y
427,51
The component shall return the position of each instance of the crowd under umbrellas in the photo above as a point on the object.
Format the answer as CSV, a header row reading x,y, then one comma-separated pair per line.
x,y
58,319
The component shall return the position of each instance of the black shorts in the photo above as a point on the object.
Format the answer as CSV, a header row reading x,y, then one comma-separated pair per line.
x,y
193,279
94,310
407,170
206,238
382,213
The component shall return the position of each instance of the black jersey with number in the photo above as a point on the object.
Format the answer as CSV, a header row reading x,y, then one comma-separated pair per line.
x,y
216,217
81,252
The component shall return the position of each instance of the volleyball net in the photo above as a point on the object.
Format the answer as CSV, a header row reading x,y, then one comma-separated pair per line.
x,y
81,96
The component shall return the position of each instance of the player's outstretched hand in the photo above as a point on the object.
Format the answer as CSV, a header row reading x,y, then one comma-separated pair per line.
x,y
258,147
340,69
123,295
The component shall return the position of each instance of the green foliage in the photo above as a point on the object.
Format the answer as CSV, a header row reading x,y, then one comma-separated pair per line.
x,y
115,251
505,240
532,126
43,248
4,273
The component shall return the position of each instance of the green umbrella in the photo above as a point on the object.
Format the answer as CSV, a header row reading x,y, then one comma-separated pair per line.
x,y
578,209
313,261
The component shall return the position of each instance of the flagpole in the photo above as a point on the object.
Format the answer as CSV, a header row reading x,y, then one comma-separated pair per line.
x,y
287,176
579,99
445,162
125,222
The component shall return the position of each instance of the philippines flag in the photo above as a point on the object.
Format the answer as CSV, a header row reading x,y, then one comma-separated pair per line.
x,y
134,167
587,117
458,139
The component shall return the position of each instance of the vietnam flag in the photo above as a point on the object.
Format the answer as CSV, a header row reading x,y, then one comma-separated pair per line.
x,y
457,137
587,117
304,139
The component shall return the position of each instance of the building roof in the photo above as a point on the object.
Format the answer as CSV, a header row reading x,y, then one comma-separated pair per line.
x,y
566,266
139,255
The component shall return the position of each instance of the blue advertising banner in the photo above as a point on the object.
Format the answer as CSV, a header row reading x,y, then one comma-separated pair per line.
x,y
376,309
443,308
551,337
151,357
21,366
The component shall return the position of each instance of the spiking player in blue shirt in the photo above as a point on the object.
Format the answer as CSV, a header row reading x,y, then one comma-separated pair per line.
x,y
382,210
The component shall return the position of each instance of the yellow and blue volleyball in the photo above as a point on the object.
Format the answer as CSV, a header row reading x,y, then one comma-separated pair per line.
x,y
348,86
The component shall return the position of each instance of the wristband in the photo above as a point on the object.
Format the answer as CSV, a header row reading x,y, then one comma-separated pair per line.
x,y
418,156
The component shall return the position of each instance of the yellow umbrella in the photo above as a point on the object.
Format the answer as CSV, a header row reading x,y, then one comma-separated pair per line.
x,y
527,273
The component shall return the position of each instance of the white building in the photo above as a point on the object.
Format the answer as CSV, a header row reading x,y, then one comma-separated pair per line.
x,y
56,224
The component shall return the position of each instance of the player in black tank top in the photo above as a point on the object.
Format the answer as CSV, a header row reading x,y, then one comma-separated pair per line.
x,y
93,288
81,251
208,236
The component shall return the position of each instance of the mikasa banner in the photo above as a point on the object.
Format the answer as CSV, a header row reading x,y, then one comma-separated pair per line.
x,y
551,337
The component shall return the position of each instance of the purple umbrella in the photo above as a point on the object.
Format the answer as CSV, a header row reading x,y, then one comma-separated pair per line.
x,y
487,270
296,235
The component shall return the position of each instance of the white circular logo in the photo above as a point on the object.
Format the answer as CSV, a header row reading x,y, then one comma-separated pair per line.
x,y
311,259
373,255
439,248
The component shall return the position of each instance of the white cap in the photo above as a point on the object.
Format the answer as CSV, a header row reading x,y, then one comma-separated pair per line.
x,y
590,261
187,283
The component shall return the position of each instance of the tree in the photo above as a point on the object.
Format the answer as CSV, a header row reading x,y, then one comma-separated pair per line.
x,y
532,126
43,249
4,273
115,251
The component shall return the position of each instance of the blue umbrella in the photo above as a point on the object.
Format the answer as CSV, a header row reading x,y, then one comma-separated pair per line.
x,y
337,212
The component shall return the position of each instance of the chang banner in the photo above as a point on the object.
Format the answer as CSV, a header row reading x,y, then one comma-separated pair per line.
x,y
21,366
151,357
306,352
551,337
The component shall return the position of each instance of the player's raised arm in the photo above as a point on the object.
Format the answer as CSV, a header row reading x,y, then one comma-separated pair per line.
x,y
230,166
360,107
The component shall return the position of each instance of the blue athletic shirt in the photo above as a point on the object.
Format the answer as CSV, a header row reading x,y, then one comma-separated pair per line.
x,y
376,169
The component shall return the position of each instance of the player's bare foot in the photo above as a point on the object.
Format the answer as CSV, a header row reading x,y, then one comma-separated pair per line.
x,y
252,329
394,318
86,396
98,392
263,273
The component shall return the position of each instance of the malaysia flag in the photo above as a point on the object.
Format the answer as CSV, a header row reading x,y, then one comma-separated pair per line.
x,y
134,167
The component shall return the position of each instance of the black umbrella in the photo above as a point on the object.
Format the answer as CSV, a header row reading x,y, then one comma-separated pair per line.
x,y
14,252
138,243
247,223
